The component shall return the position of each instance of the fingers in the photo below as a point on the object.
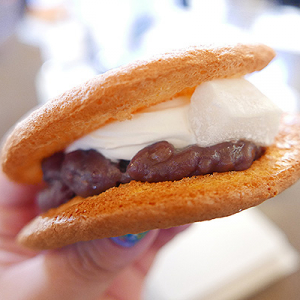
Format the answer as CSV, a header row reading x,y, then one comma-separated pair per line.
x,y
16,195
164,236
122,287
81,271
17,207
113,267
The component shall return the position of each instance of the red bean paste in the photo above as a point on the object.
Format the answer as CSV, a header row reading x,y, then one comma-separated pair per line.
x,y
87,172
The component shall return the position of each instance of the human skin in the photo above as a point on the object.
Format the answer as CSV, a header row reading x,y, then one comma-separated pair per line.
x,y
99,269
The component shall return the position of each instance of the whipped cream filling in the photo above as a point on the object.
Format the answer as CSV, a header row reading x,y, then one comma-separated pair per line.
x,y
167,121
218,111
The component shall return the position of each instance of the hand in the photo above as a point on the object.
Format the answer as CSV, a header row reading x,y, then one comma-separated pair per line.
x,y
107,269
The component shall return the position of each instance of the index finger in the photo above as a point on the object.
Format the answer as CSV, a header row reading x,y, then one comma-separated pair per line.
x,y
16,195
17,206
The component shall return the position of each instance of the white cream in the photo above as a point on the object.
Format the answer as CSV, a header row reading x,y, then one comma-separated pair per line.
x,y
167,121
218,111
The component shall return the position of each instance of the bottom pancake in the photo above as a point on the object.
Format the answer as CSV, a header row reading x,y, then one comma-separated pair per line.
x,y
138,206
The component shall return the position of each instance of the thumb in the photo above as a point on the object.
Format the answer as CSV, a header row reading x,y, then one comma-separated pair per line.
x,y
80,271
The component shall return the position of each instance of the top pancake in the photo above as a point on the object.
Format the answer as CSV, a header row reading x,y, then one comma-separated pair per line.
x,y
115,95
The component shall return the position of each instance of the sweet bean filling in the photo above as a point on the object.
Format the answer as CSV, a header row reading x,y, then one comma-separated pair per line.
x,y
87,172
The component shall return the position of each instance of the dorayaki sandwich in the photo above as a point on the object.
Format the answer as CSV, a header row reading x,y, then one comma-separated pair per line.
x,y
179,138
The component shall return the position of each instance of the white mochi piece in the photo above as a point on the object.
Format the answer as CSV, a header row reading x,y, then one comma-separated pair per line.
x,y
232,109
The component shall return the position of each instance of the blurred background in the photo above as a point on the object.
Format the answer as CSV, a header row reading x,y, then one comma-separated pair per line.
x,y
48,46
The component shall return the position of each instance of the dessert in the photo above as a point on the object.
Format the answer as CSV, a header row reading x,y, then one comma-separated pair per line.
x,y
219,147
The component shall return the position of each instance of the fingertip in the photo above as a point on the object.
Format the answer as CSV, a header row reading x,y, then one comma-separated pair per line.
x,y
166,235
15,194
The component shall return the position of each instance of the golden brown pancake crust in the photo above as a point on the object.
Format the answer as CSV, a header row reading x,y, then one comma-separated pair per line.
x,y
137,207
115,95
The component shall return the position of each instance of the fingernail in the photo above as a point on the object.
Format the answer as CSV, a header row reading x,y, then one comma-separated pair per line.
x,y
128,240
